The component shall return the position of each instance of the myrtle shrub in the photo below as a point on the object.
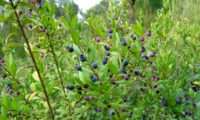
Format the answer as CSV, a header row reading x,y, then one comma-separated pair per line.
x,y
101,68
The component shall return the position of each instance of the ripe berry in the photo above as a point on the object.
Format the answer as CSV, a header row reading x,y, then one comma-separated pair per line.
x,y
124,42
183,115
126,76
40,5
143,49
78,67
70,87
89,98
155,79
70,48
4,76
97,39
137,72
9,85
111,75
154,86
111,112
86,86
148,33
133,37
143,117
142,39
1,60
79,88
123,70
110,31
124,99
178,100
107,53
164,102
10,91
95,65
157,91
110,35
98,109
82,58
189,113
107,47
125,63
113,81
152,54
93,78
1,67
145,57
187,97
105,61
130,114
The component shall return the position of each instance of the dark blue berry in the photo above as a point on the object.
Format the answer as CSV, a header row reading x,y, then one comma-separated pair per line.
x,y
107,53
82,58
105,61
40,5
125,63
124,99
78,67
183,115
70,48
124,42
178,100
111,112
123,70
9,85
110,35
111,75
98,109
93,78
70,87
95,65
189,113
143,49
145,57
110,31
133,37
164,102
79,88
126,76
143,117
137,72
107,47
157,91
86,86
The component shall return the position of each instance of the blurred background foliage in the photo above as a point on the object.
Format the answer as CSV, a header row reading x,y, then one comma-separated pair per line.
x,y
145,10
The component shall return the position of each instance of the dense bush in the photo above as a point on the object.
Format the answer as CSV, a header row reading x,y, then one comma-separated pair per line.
x,y
101,68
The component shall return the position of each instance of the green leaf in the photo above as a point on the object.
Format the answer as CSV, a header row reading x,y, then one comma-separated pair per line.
x,y
12,65
35,76
9,14
92,53
3,3
138,28
2,18
112,68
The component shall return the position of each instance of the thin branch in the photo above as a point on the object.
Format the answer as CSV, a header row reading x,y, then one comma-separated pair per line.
x,y
57,65
33,60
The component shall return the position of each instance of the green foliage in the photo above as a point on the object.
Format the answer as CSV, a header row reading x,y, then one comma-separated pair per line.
x,y
138,73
